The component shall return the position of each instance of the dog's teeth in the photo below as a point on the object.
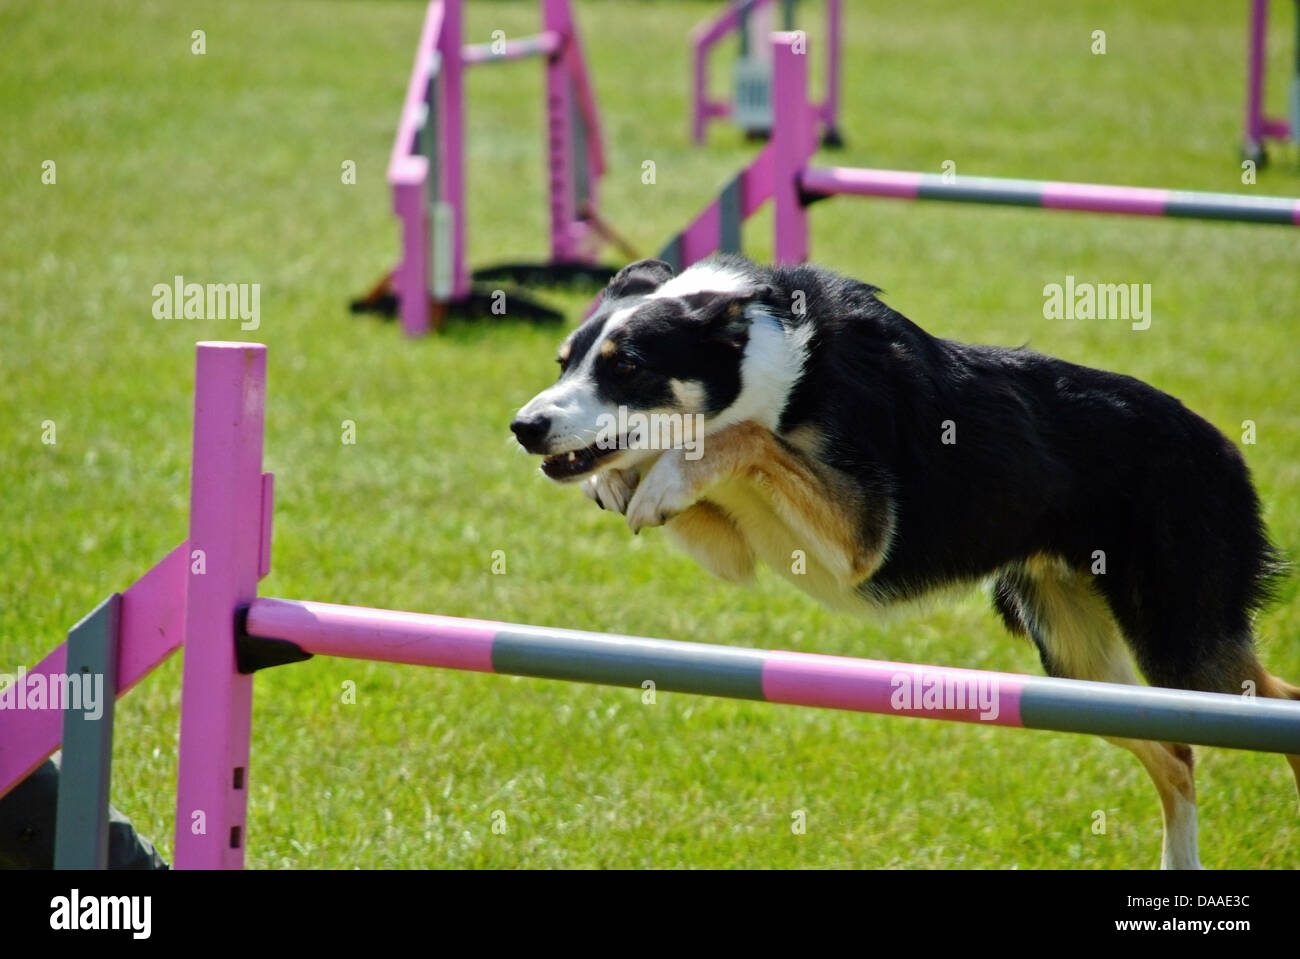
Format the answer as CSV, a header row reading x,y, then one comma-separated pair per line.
x,y
573,457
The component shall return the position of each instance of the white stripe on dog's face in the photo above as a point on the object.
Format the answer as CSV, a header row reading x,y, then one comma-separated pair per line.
x,y
702,278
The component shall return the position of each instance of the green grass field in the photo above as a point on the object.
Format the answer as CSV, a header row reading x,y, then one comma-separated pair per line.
x,y
226,167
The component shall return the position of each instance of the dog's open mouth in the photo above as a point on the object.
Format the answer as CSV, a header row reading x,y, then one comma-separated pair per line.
x,y
571,465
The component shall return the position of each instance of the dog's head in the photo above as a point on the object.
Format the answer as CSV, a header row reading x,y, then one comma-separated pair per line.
x,y
661,351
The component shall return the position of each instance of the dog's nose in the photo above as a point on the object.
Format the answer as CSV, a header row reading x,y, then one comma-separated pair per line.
x,y
531,431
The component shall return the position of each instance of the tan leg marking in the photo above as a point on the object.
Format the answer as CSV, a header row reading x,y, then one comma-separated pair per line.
x,y
713,540
824,512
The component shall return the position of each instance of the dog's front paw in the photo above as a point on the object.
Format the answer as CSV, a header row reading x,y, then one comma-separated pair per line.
x,y
662,494
612,489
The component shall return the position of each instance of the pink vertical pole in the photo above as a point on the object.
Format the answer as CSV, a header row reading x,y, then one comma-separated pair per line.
x,y
451,139
411,278
1254,131
559,138
792,145
225,550
586,142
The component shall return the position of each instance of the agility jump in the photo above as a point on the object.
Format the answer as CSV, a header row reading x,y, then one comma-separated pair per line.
x,y
427,173
781,172
203,596
750,106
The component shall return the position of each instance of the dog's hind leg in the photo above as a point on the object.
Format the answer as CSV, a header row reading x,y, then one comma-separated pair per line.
x,y
1077,638
1266,684
1226,663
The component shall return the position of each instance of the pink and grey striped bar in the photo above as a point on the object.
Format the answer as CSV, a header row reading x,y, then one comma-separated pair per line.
x,y
816,182
802,679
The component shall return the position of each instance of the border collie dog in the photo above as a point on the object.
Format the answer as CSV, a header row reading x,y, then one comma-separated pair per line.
x,y
1115,525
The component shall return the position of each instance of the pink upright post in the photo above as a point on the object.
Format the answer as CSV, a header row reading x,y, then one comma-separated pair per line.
x,y
451,139
228,548
586,144
792,144
408,174
559,137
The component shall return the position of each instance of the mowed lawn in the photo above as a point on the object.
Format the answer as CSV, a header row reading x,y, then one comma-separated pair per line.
x,y
226,167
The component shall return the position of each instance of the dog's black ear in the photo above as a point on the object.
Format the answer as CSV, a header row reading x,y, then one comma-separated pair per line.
x,y
643,276
723,314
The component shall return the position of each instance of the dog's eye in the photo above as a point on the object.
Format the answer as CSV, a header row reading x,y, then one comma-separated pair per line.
x,y
624,366
563,361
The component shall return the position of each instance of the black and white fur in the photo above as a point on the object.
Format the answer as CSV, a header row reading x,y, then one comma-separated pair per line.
x,y
826,413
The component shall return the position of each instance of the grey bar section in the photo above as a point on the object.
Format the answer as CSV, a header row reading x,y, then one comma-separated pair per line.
x,y
581,176
427,137
1167,715
729,218
81,825
672,253
974,189
1230,206
629,661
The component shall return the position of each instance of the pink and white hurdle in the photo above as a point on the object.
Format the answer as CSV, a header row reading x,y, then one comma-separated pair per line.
x,y
750,106
782,172
427,173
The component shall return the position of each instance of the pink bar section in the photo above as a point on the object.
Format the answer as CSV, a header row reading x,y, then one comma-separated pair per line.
x,y
904,689
1091,197
225,549
703,235
153,618
151,629
356,632
1275,129
830,181
28,736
